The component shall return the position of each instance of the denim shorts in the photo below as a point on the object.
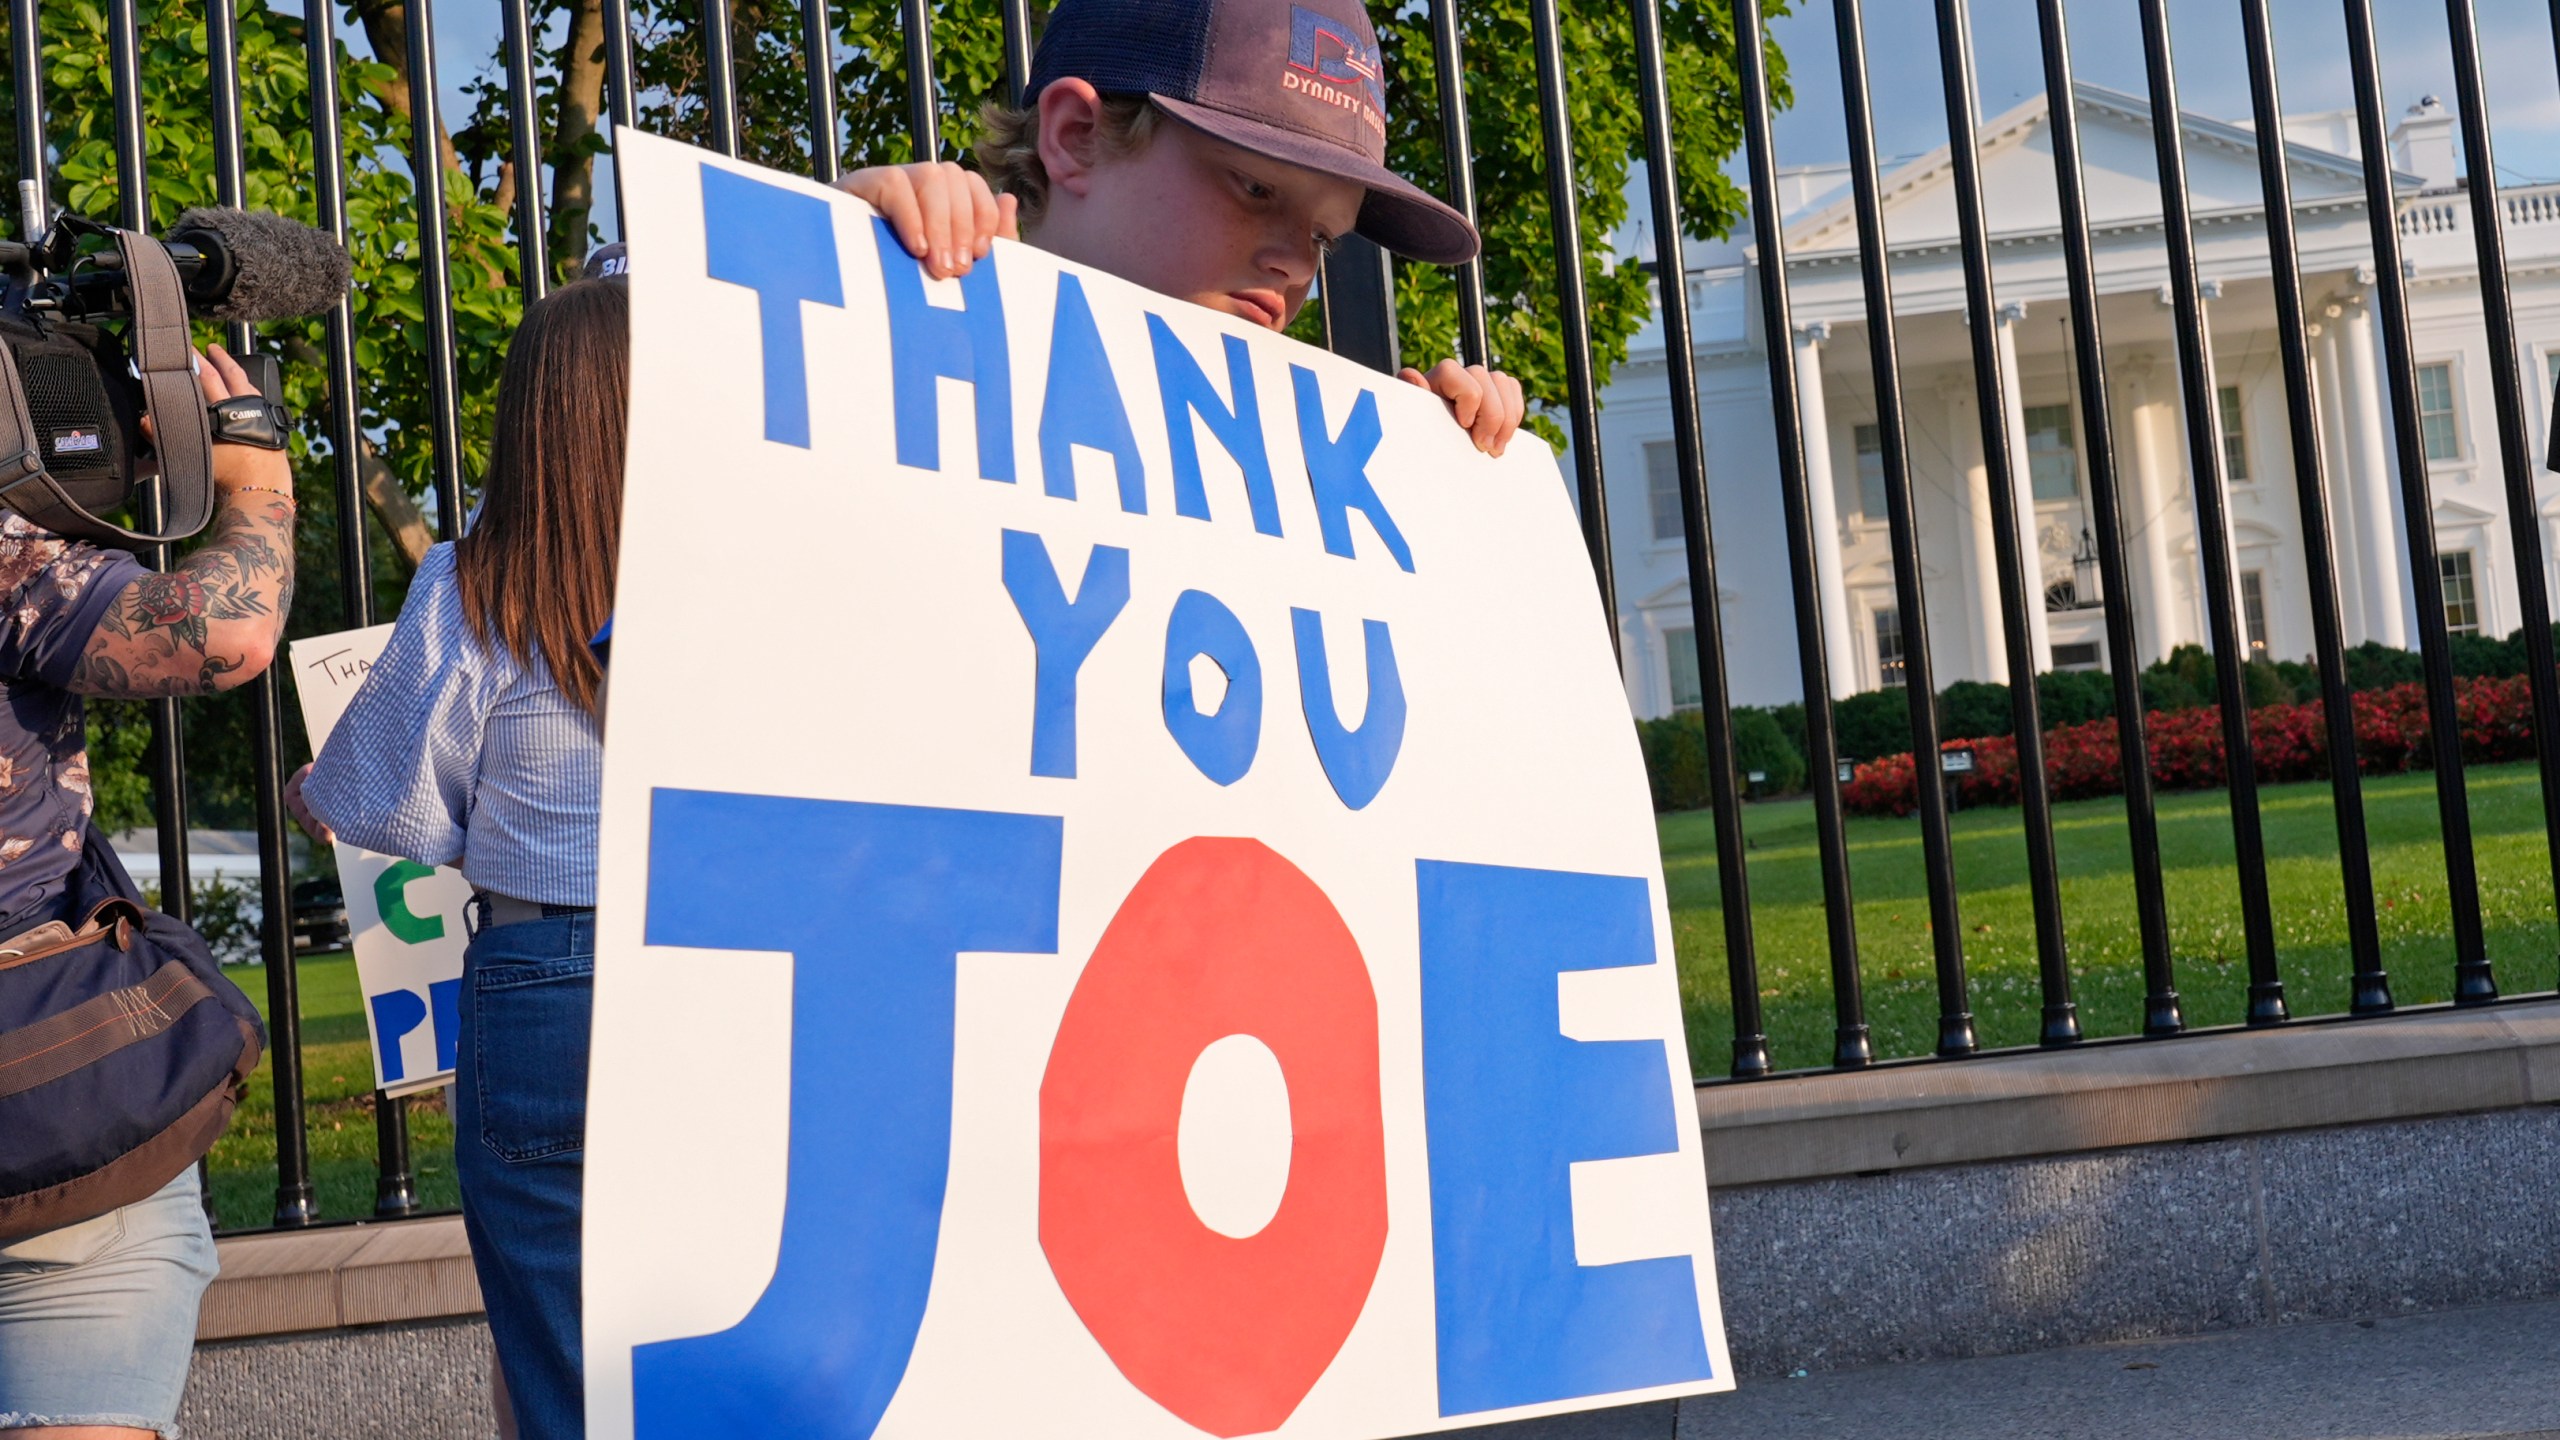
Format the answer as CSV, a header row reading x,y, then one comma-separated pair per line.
x,y
98,1319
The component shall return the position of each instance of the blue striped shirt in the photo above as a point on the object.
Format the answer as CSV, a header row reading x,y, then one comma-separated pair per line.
x,y
453,751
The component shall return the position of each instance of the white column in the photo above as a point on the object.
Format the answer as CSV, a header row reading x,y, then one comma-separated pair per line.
x,y
2148,506
2386,604
1973,489
2023,495
1822,506
2344,549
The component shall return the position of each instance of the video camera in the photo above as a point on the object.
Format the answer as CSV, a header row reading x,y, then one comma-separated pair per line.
x,y
94,341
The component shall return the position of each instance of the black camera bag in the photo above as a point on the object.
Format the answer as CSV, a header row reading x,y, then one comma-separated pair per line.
x,y
71,443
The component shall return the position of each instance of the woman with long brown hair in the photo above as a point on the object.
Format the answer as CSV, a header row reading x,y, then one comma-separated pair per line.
x,y
478,739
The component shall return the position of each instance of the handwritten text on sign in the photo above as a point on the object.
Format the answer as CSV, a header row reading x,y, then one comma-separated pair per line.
x,y
1133,828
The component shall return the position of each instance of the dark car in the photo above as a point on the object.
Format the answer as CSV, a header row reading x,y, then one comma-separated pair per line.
x,y
319,915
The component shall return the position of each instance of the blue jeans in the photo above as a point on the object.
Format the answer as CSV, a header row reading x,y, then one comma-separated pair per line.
x,y
98,1319
520,1122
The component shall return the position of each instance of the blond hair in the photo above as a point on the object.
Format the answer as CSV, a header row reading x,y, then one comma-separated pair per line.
x,y
1008,147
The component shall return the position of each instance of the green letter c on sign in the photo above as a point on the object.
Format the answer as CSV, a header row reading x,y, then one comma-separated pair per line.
x,y
391,894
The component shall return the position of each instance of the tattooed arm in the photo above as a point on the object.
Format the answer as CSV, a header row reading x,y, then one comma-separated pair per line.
x,y
213,621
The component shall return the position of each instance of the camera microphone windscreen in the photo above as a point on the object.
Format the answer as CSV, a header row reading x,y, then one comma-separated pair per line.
x,y
260,266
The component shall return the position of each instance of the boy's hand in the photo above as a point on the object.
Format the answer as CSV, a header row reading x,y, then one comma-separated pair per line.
x,y
945,215
1485,402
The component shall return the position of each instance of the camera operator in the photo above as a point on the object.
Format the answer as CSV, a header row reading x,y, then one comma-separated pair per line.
x,y
98,1319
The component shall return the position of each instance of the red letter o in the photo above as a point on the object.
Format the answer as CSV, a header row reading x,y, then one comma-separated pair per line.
x,y
1220,937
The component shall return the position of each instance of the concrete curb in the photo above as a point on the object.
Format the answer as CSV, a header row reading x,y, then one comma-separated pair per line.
x,y
2107,1096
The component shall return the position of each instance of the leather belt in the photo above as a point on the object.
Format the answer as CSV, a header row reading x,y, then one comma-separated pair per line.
x,y
497,909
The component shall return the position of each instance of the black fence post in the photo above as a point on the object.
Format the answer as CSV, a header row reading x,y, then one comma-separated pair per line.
x,y
1851,1046
2213,530
1946,933
2142,826
2021,603
2372,991
2472,982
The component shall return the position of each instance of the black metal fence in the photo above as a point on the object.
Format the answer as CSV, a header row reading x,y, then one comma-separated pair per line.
x,y
1358,297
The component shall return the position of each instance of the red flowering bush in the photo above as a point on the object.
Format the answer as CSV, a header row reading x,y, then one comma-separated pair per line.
x,y
2288,742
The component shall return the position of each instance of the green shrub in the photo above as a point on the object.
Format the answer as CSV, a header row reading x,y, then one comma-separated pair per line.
x,y
1972,710
1760,743
1675,760
2481,657
2074,697
2376,666
223,916
1873,724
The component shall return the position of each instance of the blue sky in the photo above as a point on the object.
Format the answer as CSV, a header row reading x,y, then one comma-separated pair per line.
x,y
2516,43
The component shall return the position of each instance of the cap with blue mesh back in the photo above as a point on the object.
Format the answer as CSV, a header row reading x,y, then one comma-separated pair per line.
x,y
1299,81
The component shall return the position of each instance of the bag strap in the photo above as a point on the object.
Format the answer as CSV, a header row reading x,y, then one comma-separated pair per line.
x,y
21,459
164,359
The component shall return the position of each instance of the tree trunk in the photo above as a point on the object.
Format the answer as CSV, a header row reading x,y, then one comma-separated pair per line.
x,y
389,501
581,99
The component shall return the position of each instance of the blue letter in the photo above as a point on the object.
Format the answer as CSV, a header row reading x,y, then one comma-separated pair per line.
x,y
929,343
1338,468
782,245
395,1014
873,902
1356,761
1509,1105
1063,632
1187,392
1222,742
1082,406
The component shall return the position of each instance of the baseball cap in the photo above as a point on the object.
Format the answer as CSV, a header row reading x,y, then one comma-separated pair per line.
x,y
607,262
1298,81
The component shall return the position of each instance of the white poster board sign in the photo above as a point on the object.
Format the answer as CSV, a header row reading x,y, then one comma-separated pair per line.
x,y
404,919
1111,927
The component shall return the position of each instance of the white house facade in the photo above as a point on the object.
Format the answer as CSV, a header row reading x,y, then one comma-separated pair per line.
x,y
1863,624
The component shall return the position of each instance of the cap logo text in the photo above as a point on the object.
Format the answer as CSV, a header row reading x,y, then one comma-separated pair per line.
x,y
1331,63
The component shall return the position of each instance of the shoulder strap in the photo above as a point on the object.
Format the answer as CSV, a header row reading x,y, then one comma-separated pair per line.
x,y
164,360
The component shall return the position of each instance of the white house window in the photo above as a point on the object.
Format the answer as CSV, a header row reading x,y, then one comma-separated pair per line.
x,y
2053,460
1870,443
2081,655
1888,648
2461,592
2253,608
1662,487
1681,648
2435,411
2235,435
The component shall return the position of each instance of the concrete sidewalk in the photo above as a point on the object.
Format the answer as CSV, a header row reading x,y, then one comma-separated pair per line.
x,y
2489,1371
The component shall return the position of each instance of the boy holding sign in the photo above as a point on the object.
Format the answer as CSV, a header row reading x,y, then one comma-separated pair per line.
x,y
1210,150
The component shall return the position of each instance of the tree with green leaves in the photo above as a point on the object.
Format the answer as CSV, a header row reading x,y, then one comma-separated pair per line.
x,y
375,107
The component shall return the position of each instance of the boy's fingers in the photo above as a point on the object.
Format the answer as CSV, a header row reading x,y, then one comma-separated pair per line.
x,y
1008,222
1515,403
983,200
1411,376
894,196
933,203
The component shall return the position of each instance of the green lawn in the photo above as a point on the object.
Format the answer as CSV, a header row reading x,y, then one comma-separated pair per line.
x,y
2098,912
337,1075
